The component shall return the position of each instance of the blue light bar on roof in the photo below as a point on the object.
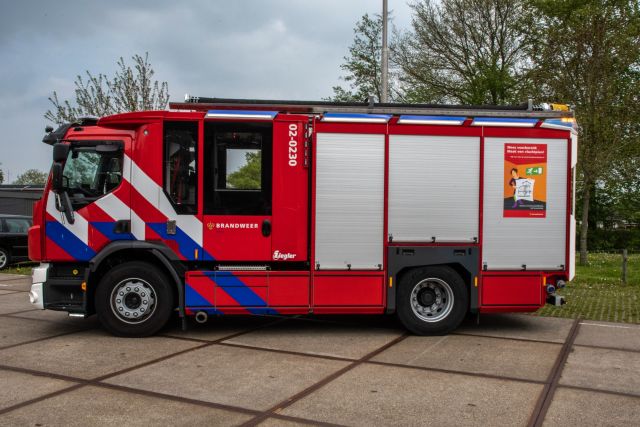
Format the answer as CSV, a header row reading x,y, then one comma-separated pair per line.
x,y
241,114
504,122
562,124
431,120
356,118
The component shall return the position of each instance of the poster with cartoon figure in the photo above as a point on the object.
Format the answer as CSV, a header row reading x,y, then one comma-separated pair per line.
x,y
525,180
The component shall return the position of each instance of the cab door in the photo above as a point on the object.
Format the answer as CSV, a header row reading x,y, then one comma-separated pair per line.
x,y
237,189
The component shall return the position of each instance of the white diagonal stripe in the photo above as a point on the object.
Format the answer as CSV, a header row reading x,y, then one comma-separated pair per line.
x,y
80,227
154,194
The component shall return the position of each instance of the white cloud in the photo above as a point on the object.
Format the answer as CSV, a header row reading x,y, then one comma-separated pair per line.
x,y
286,49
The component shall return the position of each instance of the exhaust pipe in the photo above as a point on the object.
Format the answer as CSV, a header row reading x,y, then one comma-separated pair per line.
x,y
201,316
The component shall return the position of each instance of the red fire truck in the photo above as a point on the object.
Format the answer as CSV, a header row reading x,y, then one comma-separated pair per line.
x,y
226,206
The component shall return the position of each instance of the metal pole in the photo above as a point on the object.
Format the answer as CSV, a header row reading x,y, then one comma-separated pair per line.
x,y
385,56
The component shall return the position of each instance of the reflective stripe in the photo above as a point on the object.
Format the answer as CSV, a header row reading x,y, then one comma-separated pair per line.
x,y
356,118
431,120
505,122
241,114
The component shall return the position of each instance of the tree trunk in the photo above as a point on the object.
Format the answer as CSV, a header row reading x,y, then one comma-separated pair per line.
x,y
584,226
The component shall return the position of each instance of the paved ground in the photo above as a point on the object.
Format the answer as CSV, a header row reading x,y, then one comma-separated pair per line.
x,y
509,370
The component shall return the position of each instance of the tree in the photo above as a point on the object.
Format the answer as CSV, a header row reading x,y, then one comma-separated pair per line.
x,y
363,64
249,176
32,177
130,89
1,175
463,51
587,53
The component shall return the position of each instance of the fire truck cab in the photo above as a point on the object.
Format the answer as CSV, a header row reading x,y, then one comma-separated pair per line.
x,y
225,206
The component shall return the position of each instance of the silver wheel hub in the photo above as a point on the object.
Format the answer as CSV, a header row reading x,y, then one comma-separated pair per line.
x,y
3,259
432,300
133,300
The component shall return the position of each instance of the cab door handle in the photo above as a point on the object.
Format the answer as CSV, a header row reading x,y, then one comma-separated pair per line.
x,y
266,228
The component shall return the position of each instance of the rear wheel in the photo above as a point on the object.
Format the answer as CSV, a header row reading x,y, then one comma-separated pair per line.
x,y
5,258
134,299
432,300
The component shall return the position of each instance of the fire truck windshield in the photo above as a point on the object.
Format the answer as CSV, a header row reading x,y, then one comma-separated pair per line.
x,y
90,172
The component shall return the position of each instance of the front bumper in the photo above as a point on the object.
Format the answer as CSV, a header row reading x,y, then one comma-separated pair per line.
x,y
59,287
38,279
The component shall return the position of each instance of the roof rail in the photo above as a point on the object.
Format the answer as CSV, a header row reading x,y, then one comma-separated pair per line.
x,y
321,107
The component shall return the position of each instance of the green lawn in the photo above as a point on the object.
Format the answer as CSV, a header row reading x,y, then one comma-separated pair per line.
x,y
596,293
20,268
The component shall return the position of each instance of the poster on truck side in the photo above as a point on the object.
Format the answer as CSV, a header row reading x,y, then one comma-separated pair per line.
x,y
525,180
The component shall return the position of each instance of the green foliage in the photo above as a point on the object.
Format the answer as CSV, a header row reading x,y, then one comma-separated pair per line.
x,y
463,51
363,64
1,175
586,53
32,177
248,177
130,89
614,239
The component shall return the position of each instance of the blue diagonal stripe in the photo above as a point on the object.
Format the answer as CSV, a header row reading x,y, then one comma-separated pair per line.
x,y
106,228
193,298
186,245
68,241
240,292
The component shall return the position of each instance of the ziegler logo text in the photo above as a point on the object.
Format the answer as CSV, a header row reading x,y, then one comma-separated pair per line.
x,y
277,255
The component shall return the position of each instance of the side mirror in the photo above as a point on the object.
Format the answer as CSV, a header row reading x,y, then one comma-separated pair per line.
x,y
60,152
56,177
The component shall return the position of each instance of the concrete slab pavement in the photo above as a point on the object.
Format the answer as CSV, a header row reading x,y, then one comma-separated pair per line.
x,y
350,370
19,387
14,330
218,328
91,406
607,334
15,282
380,395
603,369
327,339
90,354
592,409
232,376
489,356
15,302
519,326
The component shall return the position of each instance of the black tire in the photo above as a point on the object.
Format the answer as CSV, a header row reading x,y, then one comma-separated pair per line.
x,y
139,289
5,258
432,300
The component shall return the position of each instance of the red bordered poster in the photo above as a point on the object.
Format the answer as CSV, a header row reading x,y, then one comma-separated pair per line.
x,y
525,180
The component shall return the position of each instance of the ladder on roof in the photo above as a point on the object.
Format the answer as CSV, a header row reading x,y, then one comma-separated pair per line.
x,y
321,107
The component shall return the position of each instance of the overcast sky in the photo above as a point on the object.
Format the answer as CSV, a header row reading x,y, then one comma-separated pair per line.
x,y
286,49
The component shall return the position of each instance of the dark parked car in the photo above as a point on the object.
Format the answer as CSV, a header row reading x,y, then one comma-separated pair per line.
x,y
13,239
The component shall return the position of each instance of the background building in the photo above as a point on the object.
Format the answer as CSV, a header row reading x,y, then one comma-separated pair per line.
x,y
19,199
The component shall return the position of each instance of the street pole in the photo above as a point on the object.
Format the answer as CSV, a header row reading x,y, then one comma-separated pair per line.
x,y
385,56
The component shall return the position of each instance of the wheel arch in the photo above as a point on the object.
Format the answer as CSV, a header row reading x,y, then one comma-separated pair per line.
x,y
117,253
464,260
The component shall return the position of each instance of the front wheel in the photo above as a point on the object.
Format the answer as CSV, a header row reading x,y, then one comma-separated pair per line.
x,y
5,258
432,300
134,299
